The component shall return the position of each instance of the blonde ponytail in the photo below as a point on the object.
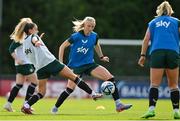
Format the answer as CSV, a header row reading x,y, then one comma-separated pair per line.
x,y
164,9
79,24
18,33
29,20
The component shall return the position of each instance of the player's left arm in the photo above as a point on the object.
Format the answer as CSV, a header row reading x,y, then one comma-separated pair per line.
x,y
36,42
100,53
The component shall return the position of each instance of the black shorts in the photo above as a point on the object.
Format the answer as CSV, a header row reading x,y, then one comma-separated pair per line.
x,y
163,58
52,68
85,69
25,69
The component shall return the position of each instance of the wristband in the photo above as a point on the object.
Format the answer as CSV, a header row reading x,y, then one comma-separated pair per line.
x,y
102,57
143,55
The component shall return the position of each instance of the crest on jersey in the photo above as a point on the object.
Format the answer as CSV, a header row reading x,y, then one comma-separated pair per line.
x,y
84,41
27,51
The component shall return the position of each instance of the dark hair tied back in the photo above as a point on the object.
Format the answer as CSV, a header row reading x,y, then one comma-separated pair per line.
x,y
28,26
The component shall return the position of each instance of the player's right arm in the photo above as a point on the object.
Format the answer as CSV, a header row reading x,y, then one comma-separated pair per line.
x,y
62,47
12,48
144,48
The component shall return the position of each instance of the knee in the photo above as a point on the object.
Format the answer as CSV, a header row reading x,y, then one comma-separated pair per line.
x,y
34,81
71,85
42,92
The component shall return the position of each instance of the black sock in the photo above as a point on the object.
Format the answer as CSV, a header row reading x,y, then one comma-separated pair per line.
x,y
63,97
115,95
153,96
30,91
83,85
14,92
175,98
34,99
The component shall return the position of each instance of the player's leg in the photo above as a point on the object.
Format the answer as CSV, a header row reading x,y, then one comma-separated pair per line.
x,y
156,78
56,67
63,96
32,86
19,84
103,74
70,87
41,92
67,73
72,82
32,77
172,75
157,66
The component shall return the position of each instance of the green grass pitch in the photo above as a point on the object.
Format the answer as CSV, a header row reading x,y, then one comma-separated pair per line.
x,y
85,109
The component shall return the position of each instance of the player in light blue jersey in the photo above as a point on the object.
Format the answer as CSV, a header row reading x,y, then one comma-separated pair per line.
x,y
81,60
163,33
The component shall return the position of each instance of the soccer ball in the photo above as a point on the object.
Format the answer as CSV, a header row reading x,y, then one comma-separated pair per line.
x,y
107,87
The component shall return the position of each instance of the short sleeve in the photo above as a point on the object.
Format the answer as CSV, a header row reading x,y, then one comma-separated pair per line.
x,y
13,46
97,38
70,39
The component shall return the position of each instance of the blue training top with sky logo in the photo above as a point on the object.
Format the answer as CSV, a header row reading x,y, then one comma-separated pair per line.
x,y
164,33
82,49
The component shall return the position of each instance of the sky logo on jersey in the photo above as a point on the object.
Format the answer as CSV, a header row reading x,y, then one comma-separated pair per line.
x,y
27,51
82,50
163,23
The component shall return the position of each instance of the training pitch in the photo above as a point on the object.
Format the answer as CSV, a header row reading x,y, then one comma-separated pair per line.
x,y
86,109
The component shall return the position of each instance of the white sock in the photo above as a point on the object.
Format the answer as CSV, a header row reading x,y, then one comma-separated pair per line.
x,y
151,108
25,101
176,110
117,102
9,103
93,93
26,105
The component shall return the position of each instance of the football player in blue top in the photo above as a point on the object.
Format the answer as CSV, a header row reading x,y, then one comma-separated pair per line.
x,y
81,59
163,33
